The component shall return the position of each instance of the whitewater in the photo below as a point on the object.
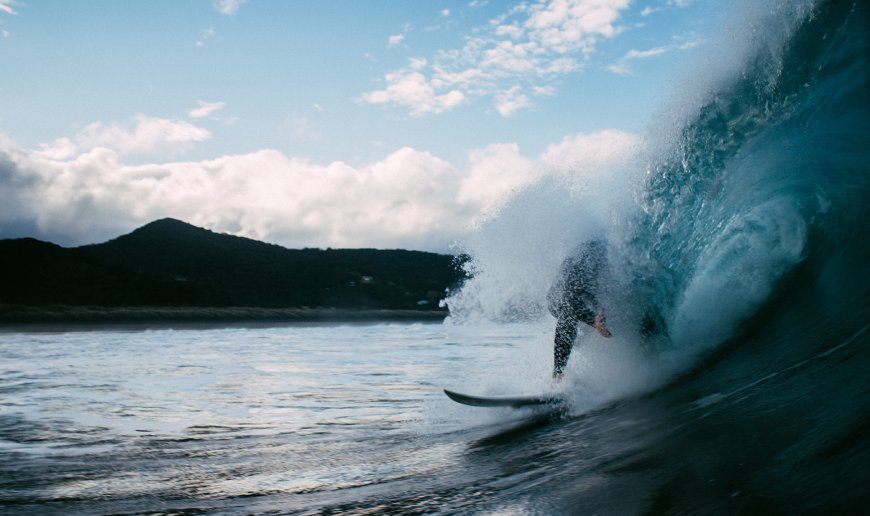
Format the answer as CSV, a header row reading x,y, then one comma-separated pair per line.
x,y
737,228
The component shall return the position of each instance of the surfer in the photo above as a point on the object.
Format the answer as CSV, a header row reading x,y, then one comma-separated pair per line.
x,y
572,300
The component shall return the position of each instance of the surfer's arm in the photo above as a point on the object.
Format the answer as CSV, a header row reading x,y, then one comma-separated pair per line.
x,y
600,325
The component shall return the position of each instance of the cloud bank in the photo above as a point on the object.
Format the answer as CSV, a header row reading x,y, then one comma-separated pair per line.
x,y
72,193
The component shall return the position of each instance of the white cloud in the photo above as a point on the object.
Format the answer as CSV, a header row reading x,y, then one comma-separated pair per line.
x,y
6,6
570,26
59,149
142,135
512,31
204,109
229,7
445,12
398,39
417,63
510,101
618,68
621,66
643,54
648,10
410,88
523,48
395,39
207,34
147,134
409,198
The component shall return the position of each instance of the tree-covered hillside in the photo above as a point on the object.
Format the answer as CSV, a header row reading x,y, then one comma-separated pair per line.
x,y
172,263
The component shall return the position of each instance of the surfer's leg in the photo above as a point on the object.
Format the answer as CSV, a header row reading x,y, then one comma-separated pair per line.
x,y
566,332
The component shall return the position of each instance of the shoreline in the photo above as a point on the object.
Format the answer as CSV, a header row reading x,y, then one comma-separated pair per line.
x,y
20,318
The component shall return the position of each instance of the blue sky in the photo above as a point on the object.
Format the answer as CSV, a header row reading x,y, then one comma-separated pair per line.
x,y
319,123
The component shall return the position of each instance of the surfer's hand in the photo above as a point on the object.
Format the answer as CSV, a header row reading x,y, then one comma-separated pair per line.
x,y
599,325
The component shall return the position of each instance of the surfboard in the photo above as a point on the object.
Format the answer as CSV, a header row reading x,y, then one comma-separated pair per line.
x,y
505,401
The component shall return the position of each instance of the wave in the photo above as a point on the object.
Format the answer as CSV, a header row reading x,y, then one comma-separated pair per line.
x,y
768,172
746,202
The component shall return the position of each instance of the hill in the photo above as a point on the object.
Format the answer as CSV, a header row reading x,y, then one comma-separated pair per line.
x,y
172,263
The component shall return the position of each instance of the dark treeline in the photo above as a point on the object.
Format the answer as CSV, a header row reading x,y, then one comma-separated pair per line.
x,y
172,263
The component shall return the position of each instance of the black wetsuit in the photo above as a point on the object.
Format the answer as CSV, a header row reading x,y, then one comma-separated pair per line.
x,y
572,298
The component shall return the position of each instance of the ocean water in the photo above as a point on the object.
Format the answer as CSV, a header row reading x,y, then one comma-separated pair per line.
x,y
738,228
352,420
285,419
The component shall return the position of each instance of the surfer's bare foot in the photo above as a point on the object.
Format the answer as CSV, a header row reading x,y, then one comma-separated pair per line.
x,y
557,377
600,326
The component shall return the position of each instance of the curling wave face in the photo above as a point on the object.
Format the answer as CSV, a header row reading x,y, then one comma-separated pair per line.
x,y
771,172
747,202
